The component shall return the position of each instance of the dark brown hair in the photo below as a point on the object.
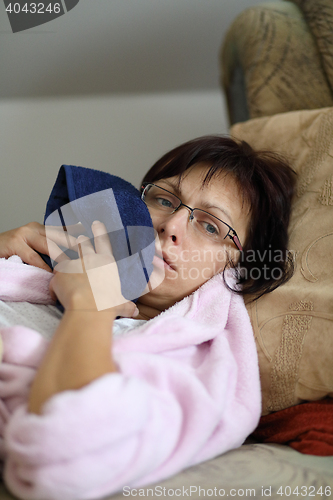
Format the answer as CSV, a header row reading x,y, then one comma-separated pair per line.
x,y
266,182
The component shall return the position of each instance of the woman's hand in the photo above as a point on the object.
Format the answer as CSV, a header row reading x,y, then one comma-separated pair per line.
x,y
91,283
81,348
26,241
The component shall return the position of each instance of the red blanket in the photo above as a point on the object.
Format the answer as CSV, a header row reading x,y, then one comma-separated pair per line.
x,y
307,427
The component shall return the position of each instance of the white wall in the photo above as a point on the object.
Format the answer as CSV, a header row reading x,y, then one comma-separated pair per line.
x,y
123,135
118,46
110,85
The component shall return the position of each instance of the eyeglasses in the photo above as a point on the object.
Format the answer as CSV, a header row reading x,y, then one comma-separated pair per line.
x,y
160,200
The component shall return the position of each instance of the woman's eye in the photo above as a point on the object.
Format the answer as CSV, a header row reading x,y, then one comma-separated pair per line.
x,y
164,202
209,228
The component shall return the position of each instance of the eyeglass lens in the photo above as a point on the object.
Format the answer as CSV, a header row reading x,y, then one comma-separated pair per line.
x,y
159,200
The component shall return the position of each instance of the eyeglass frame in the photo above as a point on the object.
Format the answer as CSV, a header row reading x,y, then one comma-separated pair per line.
x,y
233,236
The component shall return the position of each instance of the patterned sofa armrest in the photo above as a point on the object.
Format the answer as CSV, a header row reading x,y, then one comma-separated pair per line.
x,y
277,58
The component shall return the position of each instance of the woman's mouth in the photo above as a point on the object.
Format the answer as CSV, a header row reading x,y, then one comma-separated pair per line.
x,y
163,261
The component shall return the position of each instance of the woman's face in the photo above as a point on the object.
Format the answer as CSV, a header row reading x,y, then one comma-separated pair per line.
x,y
187,257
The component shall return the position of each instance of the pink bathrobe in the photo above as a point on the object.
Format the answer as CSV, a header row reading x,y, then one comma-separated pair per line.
x,y
187,390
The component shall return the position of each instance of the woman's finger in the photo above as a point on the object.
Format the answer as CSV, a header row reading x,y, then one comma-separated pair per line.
x,y
26,241
128,310
32,258
86,252
52,292
55,252
69,267
101,238
84,245
63,236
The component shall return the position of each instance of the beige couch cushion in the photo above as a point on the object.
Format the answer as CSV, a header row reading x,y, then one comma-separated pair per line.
x,y
271,49
293,325
319,17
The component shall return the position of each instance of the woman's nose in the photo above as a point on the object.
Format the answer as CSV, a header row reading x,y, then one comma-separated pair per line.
x,y
174,225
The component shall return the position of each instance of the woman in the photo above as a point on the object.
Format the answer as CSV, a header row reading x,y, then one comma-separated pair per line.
x,y
215,203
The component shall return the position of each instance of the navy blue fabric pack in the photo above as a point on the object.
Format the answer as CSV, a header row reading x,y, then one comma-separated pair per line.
x,y
83,195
